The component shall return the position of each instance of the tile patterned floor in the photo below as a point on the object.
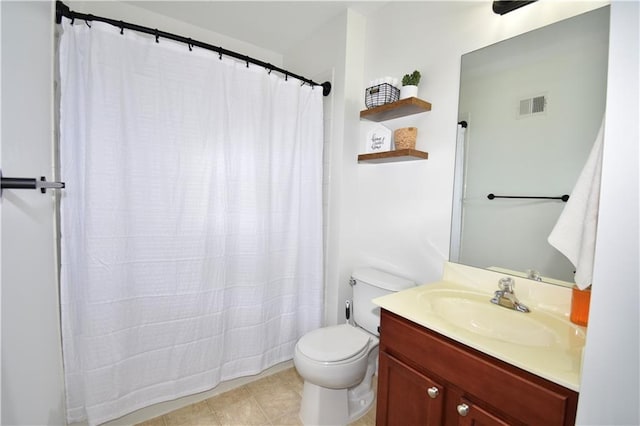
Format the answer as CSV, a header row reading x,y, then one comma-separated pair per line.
x,y
273,400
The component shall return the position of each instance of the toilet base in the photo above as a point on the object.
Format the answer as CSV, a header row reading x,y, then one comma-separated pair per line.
x,y
335,407
362,396
326,406
316,400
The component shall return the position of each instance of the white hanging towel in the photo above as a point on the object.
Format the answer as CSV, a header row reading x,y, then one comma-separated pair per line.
x,y
574,235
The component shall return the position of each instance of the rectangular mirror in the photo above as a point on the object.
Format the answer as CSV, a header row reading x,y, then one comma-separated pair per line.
x,y
533,105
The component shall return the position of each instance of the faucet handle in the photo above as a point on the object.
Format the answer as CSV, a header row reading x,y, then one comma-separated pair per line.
x,y
507,284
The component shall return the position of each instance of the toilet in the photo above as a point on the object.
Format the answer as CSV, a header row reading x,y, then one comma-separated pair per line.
x,y
338,362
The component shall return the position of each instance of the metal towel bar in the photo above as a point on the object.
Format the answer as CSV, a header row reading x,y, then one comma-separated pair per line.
x,y
564,197
28,183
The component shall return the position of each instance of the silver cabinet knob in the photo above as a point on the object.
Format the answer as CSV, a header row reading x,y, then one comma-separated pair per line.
x,y
463,409
433,392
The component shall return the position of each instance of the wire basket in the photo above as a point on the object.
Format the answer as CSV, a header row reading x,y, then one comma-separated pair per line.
x,y
381,94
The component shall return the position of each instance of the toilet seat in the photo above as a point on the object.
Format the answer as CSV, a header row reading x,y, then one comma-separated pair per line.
x,y
334,344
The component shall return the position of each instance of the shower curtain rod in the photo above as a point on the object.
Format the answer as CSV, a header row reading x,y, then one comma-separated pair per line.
x,y
63,10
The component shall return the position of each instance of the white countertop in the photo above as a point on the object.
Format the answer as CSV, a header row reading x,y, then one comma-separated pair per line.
x,y
558,358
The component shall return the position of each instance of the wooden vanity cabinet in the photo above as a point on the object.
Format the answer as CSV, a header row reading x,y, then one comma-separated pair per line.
x,y
406,395
425,378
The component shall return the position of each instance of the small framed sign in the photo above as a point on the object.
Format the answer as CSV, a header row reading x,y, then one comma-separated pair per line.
x,y
378,139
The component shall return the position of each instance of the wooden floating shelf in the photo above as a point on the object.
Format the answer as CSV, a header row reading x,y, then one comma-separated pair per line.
x,y
396,109
393,156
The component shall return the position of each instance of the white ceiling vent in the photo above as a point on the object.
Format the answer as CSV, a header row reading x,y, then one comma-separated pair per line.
x,y
532,106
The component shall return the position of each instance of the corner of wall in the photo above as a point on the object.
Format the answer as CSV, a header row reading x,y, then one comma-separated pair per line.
x,y
347,159
338,46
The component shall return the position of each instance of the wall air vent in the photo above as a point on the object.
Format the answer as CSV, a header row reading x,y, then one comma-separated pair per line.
x,y
532,106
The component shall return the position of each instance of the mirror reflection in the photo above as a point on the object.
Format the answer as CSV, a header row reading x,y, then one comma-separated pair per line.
x,y
533,106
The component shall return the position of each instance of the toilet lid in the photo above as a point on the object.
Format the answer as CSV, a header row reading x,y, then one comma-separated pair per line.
x,y
331,344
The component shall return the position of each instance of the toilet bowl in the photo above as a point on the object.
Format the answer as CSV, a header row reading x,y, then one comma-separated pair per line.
x,y
338,362
337,381
334,357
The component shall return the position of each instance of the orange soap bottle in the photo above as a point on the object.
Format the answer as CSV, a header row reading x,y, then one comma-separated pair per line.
x,y
580,300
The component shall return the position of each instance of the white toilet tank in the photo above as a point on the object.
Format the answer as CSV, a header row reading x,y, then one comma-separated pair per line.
x,y
369,284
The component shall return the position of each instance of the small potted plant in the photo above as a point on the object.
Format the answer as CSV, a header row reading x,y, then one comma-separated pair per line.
x,y
410,85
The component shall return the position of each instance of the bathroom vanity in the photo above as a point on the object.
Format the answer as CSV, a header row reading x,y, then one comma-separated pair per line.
x,y
428,379
448,356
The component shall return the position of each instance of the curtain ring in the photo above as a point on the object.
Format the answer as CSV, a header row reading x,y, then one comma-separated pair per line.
x,y
190,45
220,54
157,36
286,77
73,19
86,21
121,27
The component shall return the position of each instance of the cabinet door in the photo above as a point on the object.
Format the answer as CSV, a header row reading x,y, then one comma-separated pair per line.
x,y
406,396
473,415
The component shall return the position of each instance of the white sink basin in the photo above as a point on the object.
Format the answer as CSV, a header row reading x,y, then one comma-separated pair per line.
x,y
543,342
474,313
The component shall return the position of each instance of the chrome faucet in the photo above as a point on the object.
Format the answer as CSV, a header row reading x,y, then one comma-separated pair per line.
x,y
532,274
506,297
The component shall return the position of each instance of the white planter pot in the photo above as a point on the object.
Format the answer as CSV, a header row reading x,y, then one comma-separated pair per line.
x,y
408,92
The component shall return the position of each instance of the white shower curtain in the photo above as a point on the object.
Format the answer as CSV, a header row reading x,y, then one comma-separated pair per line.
x,y
191,222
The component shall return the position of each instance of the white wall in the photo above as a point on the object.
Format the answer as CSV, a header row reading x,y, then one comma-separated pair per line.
x,y
339,45
0,226
610,389
32,383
